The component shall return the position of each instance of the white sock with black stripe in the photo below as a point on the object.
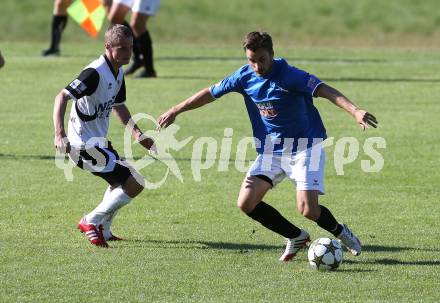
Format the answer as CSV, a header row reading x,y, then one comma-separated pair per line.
x,y
116,199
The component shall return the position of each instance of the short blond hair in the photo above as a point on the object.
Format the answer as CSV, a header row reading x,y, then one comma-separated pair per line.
x,y
116,33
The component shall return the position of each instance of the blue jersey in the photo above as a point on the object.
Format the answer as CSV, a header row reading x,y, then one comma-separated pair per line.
x,y
280,106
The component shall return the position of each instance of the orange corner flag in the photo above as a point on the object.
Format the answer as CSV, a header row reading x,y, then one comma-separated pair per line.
x,y
90,14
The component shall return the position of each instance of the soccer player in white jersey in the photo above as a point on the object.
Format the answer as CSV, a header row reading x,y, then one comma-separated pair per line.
x,y
141,11
96,92
287,130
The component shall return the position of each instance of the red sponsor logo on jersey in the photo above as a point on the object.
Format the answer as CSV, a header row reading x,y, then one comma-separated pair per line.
x,y
266,109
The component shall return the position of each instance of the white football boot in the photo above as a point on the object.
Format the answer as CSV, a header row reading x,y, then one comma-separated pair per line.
x,y
294,245
352,243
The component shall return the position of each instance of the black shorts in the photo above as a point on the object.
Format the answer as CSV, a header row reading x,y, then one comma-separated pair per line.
x,y
102,162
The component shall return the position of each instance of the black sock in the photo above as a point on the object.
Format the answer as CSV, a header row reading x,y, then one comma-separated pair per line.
x,y
145,46
328,222
136,52
125,23
58,25
270,218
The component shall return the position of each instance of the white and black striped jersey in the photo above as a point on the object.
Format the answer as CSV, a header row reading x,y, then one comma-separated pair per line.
x,y
95,91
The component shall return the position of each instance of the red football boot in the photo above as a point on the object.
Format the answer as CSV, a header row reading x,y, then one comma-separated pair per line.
x,y
92,233
115,238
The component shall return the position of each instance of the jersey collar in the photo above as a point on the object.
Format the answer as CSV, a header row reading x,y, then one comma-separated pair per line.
x,y
273,69
115,73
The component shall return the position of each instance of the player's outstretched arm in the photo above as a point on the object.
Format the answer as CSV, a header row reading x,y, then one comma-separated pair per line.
x,y
199,99
362,117
123,115
60,139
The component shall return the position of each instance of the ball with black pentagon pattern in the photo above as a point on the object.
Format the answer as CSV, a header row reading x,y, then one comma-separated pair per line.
x,y
325,254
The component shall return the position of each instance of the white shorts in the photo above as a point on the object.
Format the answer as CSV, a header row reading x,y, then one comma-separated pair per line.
x,y
305,168
146,7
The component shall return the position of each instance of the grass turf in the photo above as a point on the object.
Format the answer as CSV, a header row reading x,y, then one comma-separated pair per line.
x,y
187,241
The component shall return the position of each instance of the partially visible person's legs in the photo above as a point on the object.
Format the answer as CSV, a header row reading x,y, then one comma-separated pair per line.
x,y
2,60
308,206
119,10
110,206
117,14
254,187
250,202
59,21
125,184
142,10
107,5
60,7
144,46
308,173
252,191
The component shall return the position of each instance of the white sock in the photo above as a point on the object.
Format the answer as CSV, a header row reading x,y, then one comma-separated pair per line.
x,y
116,199
107,223
107,192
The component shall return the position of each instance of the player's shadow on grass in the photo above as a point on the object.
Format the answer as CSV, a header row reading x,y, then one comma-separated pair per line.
x,y
239,247
386,261
389,261
136,158
383,248
26,157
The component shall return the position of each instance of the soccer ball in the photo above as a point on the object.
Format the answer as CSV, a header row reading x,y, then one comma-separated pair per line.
x,y
325,254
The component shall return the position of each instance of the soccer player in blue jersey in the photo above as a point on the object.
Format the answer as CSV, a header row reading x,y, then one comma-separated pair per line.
x,y
287,131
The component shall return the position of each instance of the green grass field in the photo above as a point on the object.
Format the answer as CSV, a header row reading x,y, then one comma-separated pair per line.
x,y
187,242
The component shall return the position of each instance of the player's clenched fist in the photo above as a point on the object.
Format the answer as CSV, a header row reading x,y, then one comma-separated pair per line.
x,y
61,144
